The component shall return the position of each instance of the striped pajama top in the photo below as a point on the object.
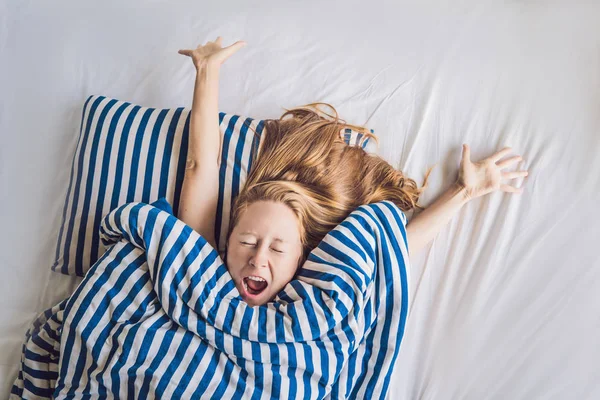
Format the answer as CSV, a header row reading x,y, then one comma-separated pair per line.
x,y
158,316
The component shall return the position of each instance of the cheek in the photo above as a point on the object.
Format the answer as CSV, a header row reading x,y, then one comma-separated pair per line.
x,y
286,271
234,259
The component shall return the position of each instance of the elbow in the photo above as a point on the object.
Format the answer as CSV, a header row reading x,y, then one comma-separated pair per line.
x,y
412,245
190,164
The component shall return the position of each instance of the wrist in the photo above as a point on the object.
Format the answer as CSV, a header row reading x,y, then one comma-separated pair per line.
x,y
207,67
460,192
208,78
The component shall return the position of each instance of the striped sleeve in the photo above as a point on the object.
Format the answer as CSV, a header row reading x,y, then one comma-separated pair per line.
x,y
159,306
341,269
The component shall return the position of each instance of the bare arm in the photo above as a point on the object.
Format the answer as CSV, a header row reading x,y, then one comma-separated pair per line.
x,y
200,191
426,225
474,180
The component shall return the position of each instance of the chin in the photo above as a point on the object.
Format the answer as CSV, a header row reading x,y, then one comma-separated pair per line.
x,y
255,302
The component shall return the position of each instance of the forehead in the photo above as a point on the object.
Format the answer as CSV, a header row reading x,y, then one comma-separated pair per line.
x,y
268,218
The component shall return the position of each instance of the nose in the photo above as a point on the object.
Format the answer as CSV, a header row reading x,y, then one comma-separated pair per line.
x,y
260,257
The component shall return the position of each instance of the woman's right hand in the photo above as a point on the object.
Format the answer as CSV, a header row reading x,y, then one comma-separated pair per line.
x,y
212,53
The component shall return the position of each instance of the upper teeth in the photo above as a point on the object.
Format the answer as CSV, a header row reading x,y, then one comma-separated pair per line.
x,y
256,278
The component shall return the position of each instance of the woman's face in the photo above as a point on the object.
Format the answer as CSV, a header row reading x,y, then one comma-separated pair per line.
x,y
263,251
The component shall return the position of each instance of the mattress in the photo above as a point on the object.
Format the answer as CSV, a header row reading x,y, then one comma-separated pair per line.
x,y
504,302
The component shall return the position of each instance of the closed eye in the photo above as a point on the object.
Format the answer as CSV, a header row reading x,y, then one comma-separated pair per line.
x,y
277,251
248,244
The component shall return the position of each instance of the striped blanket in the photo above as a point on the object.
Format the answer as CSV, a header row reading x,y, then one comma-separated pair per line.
x,y
158,316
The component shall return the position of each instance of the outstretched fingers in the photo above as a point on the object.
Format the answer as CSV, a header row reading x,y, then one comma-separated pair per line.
x,y
509,161
515,174
510,189
495,157
229,50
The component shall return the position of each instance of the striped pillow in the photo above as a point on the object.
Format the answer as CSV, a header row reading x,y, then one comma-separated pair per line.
x,y
128,153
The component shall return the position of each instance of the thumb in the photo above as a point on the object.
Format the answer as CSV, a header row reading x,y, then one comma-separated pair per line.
x,y
466,156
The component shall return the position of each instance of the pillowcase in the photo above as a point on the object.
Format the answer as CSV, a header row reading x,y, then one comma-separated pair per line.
x,y
128,153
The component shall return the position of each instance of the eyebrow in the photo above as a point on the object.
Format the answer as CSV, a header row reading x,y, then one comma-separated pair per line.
x,y
252,233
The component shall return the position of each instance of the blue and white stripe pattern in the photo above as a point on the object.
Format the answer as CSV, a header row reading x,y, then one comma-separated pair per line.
x,y
128,153
354,138
158,316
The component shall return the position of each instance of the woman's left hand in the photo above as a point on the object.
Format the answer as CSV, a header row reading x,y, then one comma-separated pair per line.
x,y
485,176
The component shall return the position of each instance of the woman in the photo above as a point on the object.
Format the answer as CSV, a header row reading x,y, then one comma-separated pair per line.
x,y
304,182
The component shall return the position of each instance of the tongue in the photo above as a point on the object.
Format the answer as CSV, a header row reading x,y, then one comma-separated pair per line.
x,y
255,285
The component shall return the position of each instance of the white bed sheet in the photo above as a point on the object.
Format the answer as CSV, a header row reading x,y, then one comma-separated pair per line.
x,y
504,302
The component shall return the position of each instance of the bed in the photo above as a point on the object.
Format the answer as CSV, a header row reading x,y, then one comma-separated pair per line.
x,y
503,303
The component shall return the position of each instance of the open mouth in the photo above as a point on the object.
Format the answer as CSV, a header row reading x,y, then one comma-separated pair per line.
x,y
255,285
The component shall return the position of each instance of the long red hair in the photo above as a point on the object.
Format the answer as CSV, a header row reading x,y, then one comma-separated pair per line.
x,y
304,163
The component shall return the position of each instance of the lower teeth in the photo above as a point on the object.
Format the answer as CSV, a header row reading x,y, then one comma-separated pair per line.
x,y
250,290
